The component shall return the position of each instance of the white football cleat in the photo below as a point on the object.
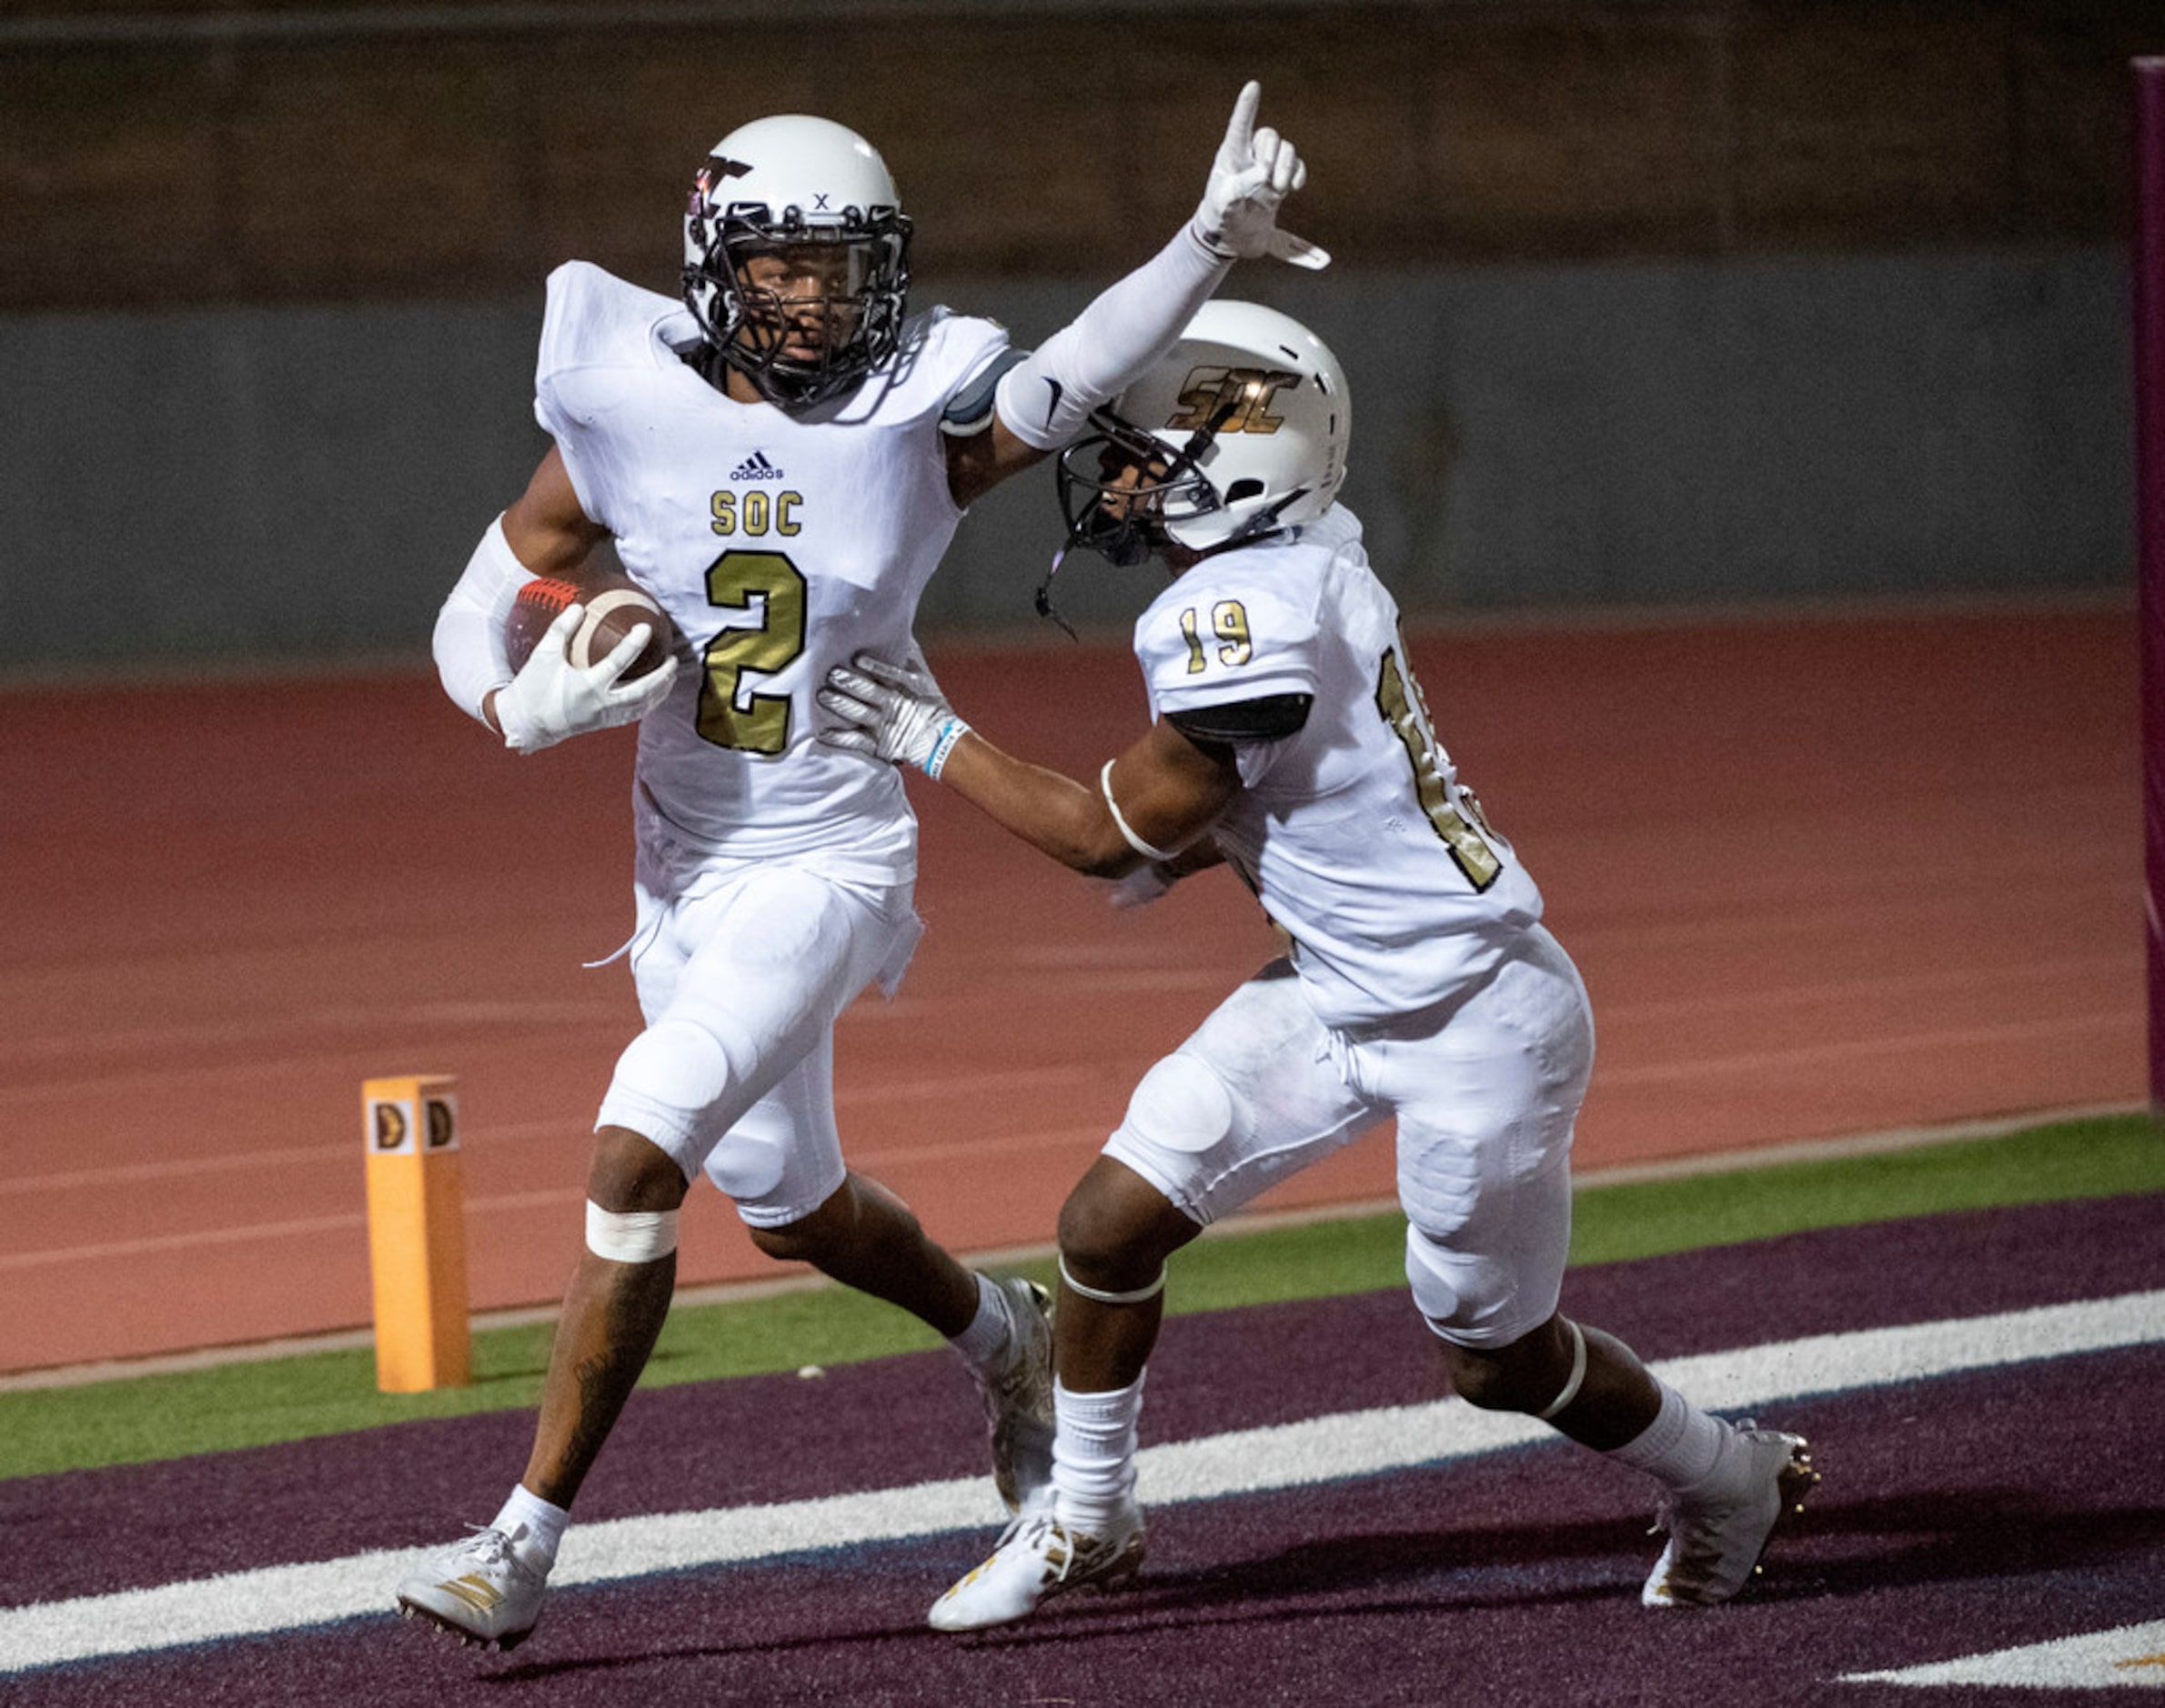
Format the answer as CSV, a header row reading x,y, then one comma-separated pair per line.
x,y
1018,1397
1037,1557
1715,1544
486,1590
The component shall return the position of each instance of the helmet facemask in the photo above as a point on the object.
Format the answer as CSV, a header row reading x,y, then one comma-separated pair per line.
x,y
1152,491
803,308
1125,492
1236,433
1119,486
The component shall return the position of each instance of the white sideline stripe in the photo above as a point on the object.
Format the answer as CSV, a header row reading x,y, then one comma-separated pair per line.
x,y
1347,1444
2132,1655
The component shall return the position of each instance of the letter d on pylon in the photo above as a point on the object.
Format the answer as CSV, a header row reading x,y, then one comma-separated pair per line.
x,y
416,1233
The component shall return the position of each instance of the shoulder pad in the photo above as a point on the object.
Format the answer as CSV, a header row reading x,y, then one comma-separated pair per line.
x,y
969,410
593,319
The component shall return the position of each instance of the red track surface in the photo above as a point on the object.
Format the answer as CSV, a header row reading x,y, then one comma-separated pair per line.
x,y
1824,877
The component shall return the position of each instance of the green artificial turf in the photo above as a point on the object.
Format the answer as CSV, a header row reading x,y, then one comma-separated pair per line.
x,y
256,1403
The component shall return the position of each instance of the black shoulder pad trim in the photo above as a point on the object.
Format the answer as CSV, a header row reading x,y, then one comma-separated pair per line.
x,y
969,410
1270,718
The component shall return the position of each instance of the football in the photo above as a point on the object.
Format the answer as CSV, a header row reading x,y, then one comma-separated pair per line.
x,y
615,604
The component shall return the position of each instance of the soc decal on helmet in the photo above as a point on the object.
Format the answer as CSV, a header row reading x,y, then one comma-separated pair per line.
x,y
815,195
1240,431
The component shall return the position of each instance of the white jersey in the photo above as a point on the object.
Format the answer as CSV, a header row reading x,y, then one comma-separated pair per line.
x,y
1355,831
781,546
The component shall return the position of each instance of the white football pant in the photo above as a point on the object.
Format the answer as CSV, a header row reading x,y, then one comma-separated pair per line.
x,y
1484,1087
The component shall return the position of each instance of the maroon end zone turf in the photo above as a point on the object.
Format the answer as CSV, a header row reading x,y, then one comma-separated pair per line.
x,y
1961,1514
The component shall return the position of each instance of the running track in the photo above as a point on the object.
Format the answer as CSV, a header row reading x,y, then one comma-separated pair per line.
x,y
1830,876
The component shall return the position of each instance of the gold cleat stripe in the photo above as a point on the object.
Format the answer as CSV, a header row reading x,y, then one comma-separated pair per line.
x,y
477,1593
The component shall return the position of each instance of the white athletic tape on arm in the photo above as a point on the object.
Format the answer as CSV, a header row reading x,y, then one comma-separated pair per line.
x,y
1578,1373
630,1236
1112,807
1140,1296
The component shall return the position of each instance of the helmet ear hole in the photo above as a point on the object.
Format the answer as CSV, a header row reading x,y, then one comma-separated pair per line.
x,y
1249,488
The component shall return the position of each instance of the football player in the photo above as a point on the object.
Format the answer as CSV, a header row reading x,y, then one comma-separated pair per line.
x,y
780,458
1289,740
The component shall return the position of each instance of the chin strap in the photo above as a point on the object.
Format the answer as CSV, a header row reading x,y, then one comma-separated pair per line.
x,y
1044,597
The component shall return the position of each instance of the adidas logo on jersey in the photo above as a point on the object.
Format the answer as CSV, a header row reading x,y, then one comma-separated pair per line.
x,y
756,468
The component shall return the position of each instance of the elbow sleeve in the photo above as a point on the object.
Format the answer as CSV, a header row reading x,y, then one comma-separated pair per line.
x,y
468,641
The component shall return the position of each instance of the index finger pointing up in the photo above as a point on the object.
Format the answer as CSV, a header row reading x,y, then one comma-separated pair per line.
x,y
1240,131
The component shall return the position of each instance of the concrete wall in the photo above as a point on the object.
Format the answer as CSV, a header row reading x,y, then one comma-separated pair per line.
x,y
304,482
1643,300
156,152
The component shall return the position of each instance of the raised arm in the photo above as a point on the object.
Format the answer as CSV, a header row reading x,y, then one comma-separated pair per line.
x,y
1042,402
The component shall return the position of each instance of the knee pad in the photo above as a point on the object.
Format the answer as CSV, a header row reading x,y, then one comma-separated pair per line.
x,y
677,1063
746,1164
1181,1105
1481,1301
667,1078
1430,1272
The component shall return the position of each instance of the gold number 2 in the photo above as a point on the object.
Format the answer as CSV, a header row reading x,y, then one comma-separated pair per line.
x,y
734,581
1398,698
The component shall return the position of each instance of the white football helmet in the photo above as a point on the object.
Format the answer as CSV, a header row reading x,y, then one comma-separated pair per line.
x,y
809,190
1239,432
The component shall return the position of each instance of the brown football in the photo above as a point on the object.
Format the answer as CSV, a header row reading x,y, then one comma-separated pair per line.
x,y
616,604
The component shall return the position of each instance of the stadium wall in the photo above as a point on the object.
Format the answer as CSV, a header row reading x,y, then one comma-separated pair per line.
x,y
293,482
1644,300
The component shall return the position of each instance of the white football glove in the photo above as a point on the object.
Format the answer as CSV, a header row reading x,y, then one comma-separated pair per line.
x,y
894,712
1254,172
552,699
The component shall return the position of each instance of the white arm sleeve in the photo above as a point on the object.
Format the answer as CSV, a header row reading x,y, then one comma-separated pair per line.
x,y
470,660
1046,399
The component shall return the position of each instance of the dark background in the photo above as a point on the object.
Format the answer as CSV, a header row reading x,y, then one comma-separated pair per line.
x,y
1643,304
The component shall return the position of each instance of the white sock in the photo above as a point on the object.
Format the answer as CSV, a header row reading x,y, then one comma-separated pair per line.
x,y
1681,1448
544,1524
986,1338
1093,1456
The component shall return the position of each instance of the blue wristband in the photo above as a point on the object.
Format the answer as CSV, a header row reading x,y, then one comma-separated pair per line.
x,y
953,731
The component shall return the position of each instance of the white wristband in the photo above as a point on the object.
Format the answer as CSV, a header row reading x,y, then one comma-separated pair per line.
x,y
1112,806
953,731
